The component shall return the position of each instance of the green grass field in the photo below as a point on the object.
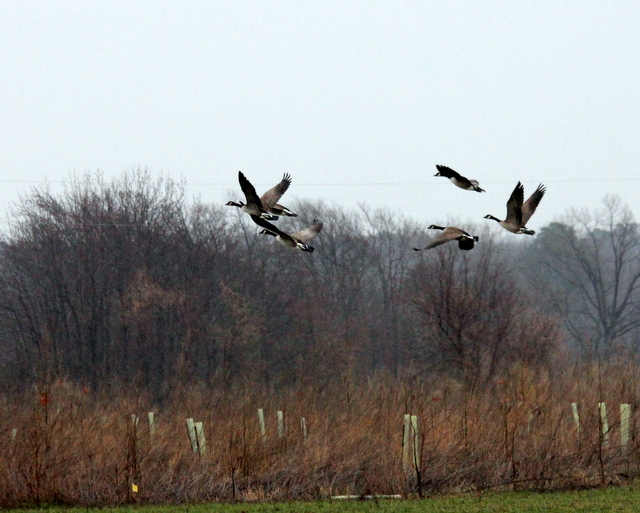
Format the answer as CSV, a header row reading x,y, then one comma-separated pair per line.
x,y
625,498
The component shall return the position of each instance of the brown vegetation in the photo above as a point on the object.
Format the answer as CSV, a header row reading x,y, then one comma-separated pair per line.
x,y
118,299
83,448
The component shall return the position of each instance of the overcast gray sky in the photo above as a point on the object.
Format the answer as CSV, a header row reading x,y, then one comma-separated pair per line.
x,y
356,100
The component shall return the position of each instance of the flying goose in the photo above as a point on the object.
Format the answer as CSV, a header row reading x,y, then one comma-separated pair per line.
x,y
292,240
465,240
457,179
267,206
518,213
270,198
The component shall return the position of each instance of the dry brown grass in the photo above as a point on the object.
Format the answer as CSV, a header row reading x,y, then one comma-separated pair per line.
x,y
75,446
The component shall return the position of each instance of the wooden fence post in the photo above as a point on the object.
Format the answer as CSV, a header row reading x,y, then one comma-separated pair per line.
x,y
576,417
605,423
280,424
406,433
152,425
263,430
416,441
202,443
303,426
191,430
625,417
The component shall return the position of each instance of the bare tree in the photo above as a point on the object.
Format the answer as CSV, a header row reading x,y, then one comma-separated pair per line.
x,y
124,282
477,323
591,265
69,267
390,237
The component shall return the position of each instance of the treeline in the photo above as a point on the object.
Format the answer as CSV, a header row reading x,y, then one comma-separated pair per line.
x,y
127,283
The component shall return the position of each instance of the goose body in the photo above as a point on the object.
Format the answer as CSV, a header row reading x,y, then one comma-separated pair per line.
x,y
292,240
465,240
519,212
458,180
253,205
266,206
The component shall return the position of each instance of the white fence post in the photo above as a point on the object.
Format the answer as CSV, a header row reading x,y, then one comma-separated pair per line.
x,y
625,417
416,441
152,425
202,443
605,423
263,430
191,430
406,432
303,426
280,424
576,417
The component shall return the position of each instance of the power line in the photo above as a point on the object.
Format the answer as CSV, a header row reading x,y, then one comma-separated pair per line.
x,y
349,184
441,182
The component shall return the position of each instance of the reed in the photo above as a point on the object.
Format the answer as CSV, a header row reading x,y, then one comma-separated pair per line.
x,y
75,446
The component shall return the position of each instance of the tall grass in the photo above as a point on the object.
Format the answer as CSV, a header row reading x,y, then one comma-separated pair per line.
x,y
75,446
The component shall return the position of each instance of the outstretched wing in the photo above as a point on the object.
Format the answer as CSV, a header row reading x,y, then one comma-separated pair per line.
x,y
271,197
531,204
249,191
266,224
308,233
449,233
448,172
514,205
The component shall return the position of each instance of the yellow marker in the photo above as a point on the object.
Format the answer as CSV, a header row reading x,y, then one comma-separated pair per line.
x,y
134,488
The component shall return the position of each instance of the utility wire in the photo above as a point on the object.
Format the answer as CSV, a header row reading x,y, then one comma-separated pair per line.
x,y
351,184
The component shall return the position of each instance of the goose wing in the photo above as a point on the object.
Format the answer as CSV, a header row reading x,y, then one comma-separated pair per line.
x,y
308,233
447,171
531,204
249,191
449,233
514,205
450,173
272,196
269,226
